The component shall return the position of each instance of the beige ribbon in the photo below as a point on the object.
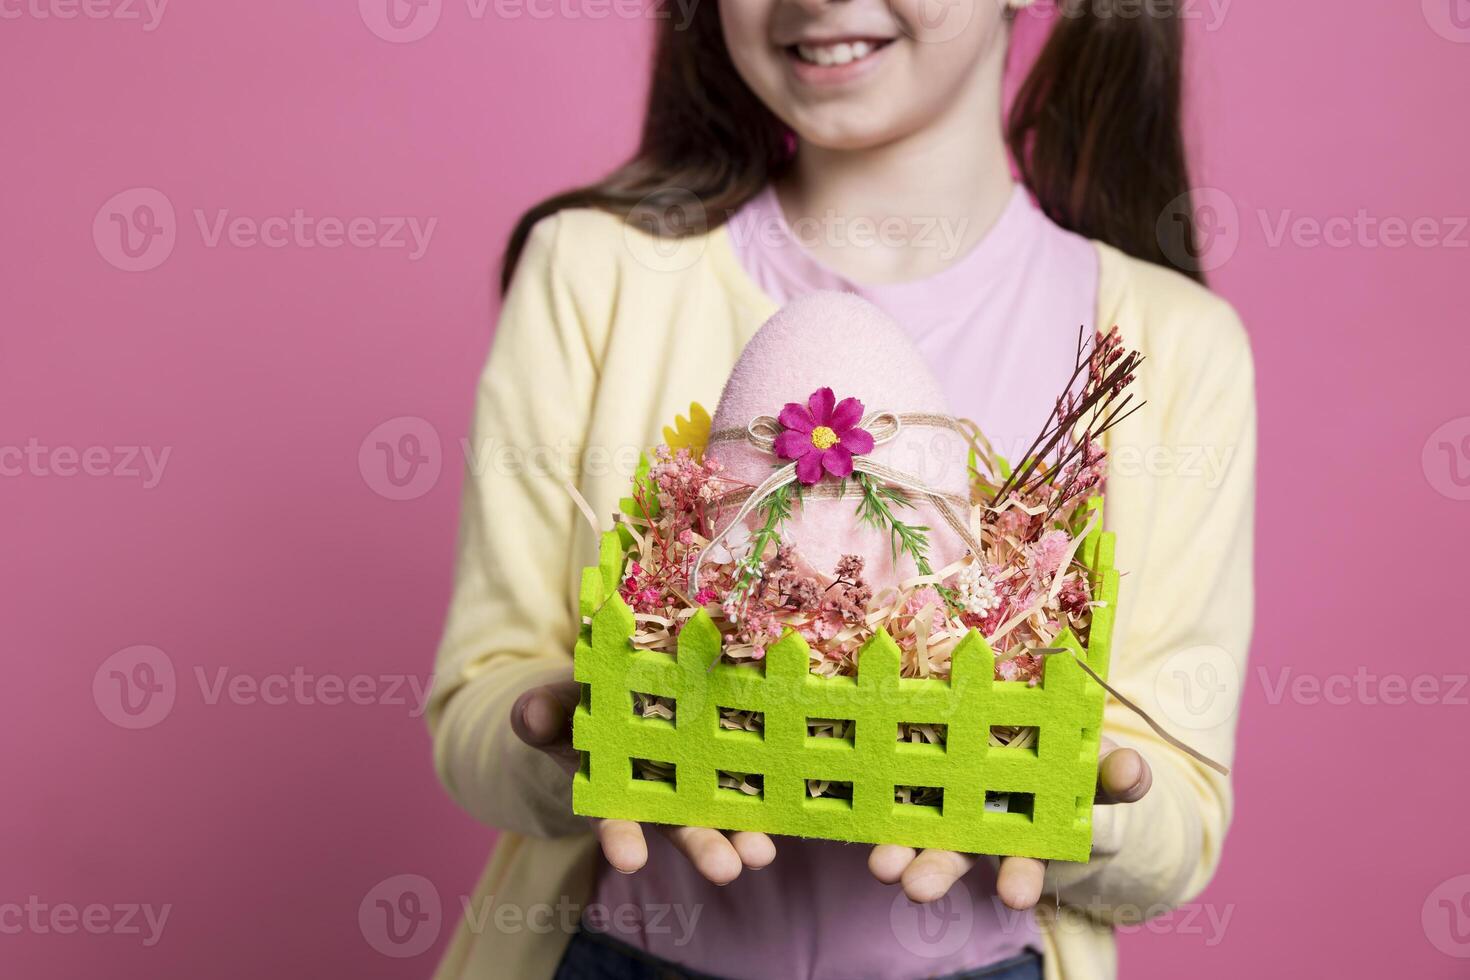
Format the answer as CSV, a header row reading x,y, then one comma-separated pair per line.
x,y
884,427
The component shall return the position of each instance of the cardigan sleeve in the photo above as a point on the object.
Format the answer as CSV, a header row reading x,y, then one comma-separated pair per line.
x,y
1181,497
510,625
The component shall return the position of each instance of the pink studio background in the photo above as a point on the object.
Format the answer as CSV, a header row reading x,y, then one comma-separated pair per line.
x,y
270,545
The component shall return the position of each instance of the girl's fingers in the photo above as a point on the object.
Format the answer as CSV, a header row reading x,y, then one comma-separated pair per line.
x,y
542,718
622,844
1123,776
755,850
929,876
709,851
888,861
1019,882
537,718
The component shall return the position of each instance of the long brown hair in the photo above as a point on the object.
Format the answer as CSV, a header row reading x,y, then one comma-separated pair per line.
x,y
1095,130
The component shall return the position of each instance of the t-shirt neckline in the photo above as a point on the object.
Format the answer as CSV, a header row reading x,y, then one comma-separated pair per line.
x,y
1000,246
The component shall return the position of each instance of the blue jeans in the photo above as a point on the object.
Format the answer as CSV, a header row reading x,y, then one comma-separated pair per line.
x,y
593,956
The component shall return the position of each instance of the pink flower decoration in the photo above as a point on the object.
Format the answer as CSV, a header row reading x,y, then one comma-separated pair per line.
x,y
822,435
1047,553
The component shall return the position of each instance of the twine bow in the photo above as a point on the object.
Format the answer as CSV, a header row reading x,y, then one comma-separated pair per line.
x,y
884,427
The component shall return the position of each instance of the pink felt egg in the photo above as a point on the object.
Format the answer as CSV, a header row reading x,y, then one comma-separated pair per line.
x,y
840,341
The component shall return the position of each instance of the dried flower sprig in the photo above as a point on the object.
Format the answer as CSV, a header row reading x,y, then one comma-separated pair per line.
x,y
1105,369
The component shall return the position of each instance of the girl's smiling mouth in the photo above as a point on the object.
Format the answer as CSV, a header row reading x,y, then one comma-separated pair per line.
x,y
836,60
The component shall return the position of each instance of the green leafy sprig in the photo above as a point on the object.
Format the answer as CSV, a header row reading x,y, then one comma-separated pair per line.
x,y
876,510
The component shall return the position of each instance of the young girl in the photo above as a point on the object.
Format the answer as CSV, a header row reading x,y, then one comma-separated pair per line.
x,y
794,145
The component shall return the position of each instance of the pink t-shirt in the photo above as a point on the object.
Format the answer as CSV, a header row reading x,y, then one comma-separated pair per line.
x,y
999,328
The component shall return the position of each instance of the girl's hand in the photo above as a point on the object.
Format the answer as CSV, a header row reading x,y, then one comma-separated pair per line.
x,y
1123,776
542,718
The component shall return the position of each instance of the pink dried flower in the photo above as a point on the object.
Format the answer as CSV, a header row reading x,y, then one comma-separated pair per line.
x,y
785,559
827,626
1048,553
922,598
760,628
1022,667
630,586
849,568
804,593
848,601
682,483
1014,522
1074,595
991,621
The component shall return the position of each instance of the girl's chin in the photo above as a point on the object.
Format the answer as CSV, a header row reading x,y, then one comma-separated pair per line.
x,y
843,125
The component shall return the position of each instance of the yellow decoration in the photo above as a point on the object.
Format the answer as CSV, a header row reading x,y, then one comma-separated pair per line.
x,y
691,433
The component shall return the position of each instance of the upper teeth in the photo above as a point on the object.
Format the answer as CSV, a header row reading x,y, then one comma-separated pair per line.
x,y
834,54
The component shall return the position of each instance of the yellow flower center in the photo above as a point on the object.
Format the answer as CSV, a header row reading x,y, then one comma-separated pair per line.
x,y
823,437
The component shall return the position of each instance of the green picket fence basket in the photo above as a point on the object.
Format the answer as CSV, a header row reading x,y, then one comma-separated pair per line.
x,y
1050,785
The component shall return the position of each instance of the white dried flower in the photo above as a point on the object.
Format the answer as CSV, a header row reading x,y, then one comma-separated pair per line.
x,y
976,591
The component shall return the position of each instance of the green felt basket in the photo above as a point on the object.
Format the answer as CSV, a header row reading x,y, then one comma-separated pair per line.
x,y
1049,786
